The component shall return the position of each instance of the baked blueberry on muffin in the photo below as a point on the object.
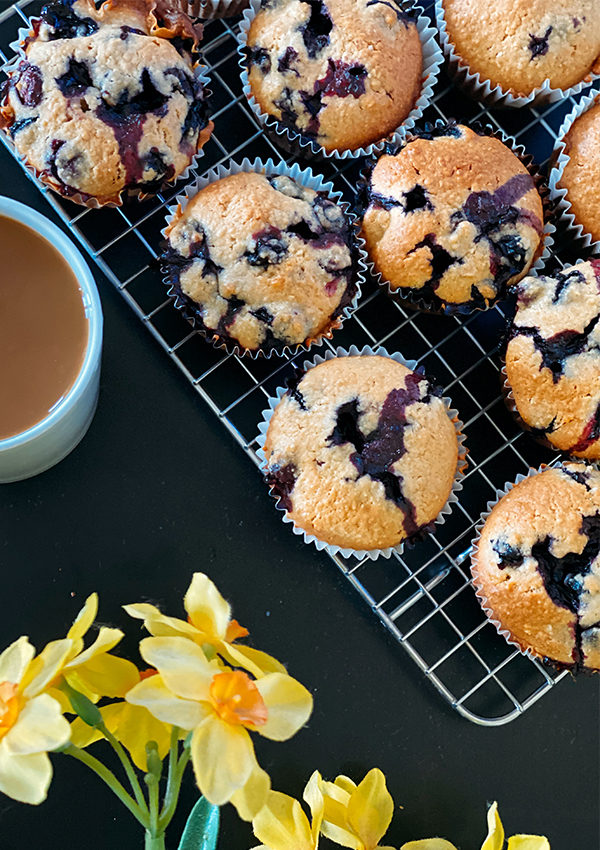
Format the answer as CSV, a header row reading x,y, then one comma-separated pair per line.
x,y
343,73
552,359
536,565
260,262
518,44
107,100
451,218
361,452
581,174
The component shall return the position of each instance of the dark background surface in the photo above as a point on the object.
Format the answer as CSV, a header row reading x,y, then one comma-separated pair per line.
x,y
157,490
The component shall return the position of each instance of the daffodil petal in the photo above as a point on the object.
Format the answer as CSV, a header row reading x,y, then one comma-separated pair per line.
x,y
47,666
313,795
337,792
289,705
250,799
105,675
371,808
159,624
82,735
133,726
40,727
85,618
183,665
340,835
345,783
495,836
256,662
282,825
223,758
106,640
14,660
208,611
24,778
429,844
528,842
163,704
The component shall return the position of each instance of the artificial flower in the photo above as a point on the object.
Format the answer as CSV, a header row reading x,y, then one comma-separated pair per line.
x,y
357,816
281,823
92,671
132,725
209,624
494,839
220,707
31,724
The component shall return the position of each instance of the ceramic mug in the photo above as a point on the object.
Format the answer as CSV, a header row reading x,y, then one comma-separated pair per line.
x,y
53,437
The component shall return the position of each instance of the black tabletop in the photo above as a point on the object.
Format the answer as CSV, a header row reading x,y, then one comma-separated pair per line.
x,y
158,490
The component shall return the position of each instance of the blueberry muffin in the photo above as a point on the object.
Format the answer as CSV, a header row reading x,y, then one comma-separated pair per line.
x,y
451,218
518,44
106,100
361,452
536,565
581,173
552,359
260,262
343,73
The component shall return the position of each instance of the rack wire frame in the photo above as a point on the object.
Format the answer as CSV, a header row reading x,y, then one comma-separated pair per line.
x,y
423,597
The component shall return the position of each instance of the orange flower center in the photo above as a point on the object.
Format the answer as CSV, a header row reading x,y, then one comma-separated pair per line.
x,y
149,671
237,700
235,631
9,706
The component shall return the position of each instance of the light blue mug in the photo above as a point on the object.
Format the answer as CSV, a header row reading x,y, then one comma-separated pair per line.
x,y
53,437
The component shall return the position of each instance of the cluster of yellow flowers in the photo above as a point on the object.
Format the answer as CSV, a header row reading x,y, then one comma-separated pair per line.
x,y
356,816
205,689
189,688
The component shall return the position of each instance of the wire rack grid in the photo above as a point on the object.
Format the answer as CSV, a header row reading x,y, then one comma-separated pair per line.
x,y
424,597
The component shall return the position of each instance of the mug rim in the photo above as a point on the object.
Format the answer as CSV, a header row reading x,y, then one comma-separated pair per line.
x,y
49,231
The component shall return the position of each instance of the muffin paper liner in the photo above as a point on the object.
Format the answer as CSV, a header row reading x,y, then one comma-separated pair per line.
x,y
495,95
541,256
200,72
294,142
560,159
303,176
481,597
373,554
209,9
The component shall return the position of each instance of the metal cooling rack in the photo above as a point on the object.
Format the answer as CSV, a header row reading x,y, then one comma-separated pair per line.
x,y
424,597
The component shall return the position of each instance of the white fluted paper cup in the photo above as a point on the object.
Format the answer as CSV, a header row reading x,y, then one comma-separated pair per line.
x,y
372,554
494,95
200,72
560,158
304,177
294,141
542,255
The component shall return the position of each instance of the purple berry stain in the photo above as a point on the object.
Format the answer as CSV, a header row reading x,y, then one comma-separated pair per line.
x,y
29,84
538,44
376,453
562,577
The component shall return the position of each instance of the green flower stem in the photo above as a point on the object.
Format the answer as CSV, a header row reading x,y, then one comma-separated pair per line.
x,y
154,842
111,780
127,765
172,794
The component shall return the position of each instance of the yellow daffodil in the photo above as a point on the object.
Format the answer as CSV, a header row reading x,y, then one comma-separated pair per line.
x,y
357,816
31,725
92,671
220,707
281,823
209,624
132,725
494,839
